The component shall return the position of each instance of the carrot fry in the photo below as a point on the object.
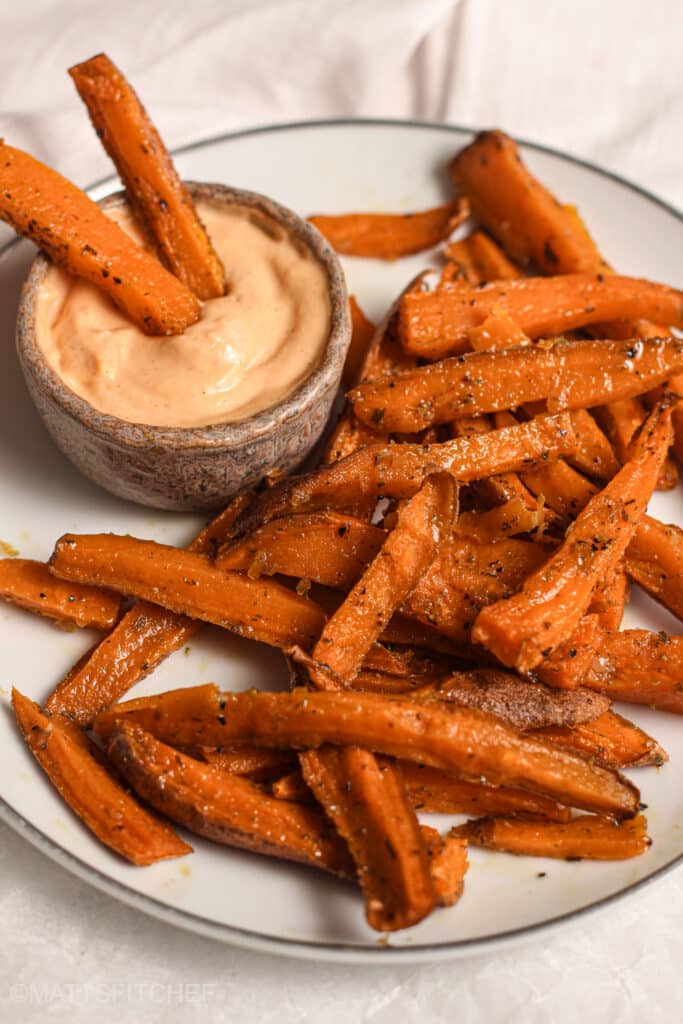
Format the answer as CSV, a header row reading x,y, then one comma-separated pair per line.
x,y
292,787
594,454
448,865
611,595
225,808
150,179
498,330
654,559
507,520
388,236
404,556
366,799
436,324
480,259
583,838
518,210
30,585
612,740
253,763
186,583
457,739
362,333
396,471
569,374
70,761
524,629
560,487
521,703
565,667
73,231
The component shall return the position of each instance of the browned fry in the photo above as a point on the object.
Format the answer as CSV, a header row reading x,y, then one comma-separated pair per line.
x,y
31,586
456,739
610,739
366,799
583,838
224,807
404,556
396,471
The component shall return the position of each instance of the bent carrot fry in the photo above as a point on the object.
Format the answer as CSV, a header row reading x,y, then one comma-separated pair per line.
x,y
150,179
30,585
388,236
583,838
186,583
395,571
457,739
612,740
522,630
366,799
223,807
569,374
518,210
73,231
103,805
362,333
396,471
436,324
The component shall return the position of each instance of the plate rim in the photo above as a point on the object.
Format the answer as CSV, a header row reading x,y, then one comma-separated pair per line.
x,y
339,952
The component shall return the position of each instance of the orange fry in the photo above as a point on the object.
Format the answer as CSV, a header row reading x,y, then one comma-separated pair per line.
x,y
583,838
388,236
30,585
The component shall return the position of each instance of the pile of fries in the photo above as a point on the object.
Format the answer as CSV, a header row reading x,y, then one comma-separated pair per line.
x,y
448,584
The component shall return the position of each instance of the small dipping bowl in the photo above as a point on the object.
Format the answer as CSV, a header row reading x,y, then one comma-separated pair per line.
x,y
180,468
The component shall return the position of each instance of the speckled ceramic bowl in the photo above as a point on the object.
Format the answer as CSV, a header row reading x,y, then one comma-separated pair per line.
x,y
201,467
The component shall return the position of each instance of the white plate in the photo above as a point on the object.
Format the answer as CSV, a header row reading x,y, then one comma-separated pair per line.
x,y
239,897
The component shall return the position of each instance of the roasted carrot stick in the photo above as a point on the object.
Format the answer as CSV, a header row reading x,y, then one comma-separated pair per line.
x,y
612,740
611,595
395,571
437,792
498,330
583,838
568,663
223,807
186,583
457,739
654,559
569,374
594,454
366,799
518,210
480,259
448,866
79,776
520,703
30,585
524,629
436,324
388,236
396,471
560,487
253,763
362,333
150,179
507,520
70,228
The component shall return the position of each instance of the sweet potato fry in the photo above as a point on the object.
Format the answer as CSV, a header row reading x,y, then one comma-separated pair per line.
x,y
654,559
448,865
362,333
30,585
253,763
92,793
612,740
388,236
456,739
150,179
396,471
521,703
72,230
583,838
522,630
569,374
393,574
366,799
480,259
223,807
186,583
518,210
433,325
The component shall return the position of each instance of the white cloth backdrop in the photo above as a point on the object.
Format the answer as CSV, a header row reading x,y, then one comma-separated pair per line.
x,y
603,80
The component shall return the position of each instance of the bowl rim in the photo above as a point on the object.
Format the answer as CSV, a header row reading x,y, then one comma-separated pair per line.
x,y
325,375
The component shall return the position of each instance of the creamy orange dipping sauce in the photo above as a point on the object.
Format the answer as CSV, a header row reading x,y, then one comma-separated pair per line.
x,y
249,350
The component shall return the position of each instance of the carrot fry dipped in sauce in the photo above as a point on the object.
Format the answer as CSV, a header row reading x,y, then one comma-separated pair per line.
x,y
78,774
74,232
150,179
31,585
388,236
522,630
